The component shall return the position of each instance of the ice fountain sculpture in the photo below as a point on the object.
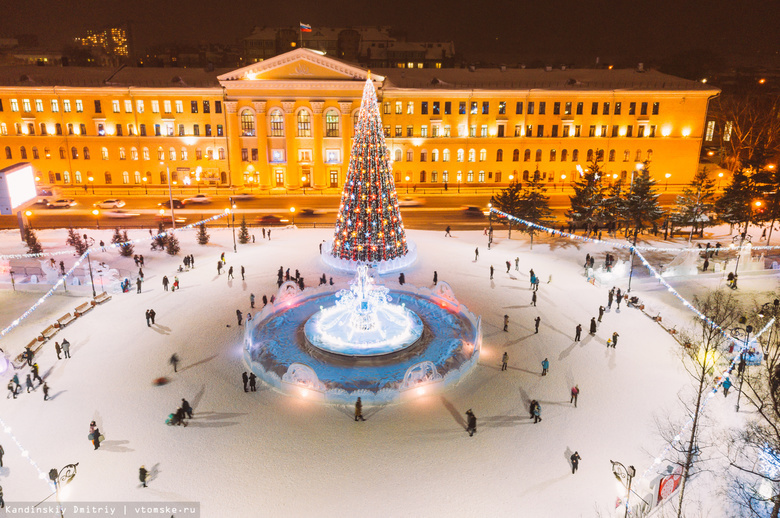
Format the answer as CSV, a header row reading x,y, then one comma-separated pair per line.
x,y
364,321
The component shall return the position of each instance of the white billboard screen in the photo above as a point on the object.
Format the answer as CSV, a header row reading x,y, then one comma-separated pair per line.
x,y
17,187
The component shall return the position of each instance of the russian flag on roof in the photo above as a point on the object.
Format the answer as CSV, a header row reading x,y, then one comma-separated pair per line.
x,y
305,27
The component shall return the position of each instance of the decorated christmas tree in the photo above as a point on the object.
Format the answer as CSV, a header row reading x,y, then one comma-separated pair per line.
x,y
369,226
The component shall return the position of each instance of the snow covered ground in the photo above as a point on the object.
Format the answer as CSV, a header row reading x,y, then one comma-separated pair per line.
x,y
266,454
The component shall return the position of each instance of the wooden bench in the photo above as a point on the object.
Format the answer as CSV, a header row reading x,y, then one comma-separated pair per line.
x,y
101,298
80,310
34,345
65,320
49,332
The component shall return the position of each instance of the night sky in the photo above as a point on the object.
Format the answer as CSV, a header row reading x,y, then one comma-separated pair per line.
x,y
565,27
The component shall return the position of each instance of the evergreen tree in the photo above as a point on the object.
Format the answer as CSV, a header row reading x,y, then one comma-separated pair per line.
x,y
172,244
117,237
696,201
535,206
587,204
769,187
126,249
615,204
369,225
33,245
641,205
159,242
76,241
243,233
735,206
509,201
203,236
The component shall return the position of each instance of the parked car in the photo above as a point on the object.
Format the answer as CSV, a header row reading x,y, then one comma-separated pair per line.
x,y
408,201
110,204
269,219
119,213
473,211
62,203
198,198
45,194
177,204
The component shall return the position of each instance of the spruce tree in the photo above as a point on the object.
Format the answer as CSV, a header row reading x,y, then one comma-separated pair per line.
x,y
33,245
696,200
76,241
587,203
509,201
203,236
127,248
641,204
172,244
117,237
369,225
159,242
243,234
735,206
535,206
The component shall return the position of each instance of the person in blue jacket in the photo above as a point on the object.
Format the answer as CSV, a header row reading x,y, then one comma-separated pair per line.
x,y
726,387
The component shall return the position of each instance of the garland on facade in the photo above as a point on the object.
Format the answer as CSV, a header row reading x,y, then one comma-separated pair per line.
x,y
369,226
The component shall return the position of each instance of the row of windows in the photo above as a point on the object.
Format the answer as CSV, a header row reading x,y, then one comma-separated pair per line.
x,y
482,176
116,104
74,153
435,156
332,156
483,107
168,128
137,179
565,130
303,119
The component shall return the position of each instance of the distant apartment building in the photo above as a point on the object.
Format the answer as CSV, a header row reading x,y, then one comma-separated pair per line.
x,y
110,46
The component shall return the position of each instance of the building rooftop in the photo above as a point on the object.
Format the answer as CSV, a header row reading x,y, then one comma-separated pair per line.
x,y
32,76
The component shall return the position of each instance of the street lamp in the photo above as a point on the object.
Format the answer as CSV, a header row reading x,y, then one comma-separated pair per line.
x,y
490,222
96,213
28,213
742,333
292,211
91,279
92,183
232,221
625,475
563,181
743,236
303,183
170,193
720,175
62,478
407,184
146,186
668,175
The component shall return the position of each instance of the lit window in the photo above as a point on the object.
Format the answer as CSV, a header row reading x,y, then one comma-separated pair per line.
x,y
277,123
482,155
167,106
332,123
155,106
172,154
304,124
139,106
3,129
14,105
423,131
146,153
26,105
39,105
79,106
137,177
710,130
727,128
55,106
104,153
472,155
410,108
184,153
445,155
66,105
122,155
125,177
133,154
115,105
179,107
483,131
128,106
461,153
399,107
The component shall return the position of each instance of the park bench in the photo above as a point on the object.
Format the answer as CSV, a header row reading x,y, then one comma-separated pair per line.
x,y
34,345
80,310
101,298
64,320
49,331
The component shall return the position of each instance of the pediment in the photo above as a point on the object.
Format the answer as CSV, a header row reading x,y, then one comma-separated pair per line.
x,y
299,64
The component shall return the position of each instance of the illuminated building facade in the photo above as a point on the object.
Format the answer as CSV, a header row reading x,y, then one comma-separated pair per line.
x,y
287,123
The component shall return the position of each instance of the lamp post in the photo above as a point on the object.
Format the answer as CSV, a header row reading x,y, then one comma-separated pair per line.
x,y
720,175
407,184
92,183
146,186
625,475
232,212
96,213
303,183
563,181
490,222
13,283
292,211
91,279
62,477
668,175
170,194
741,333
743,236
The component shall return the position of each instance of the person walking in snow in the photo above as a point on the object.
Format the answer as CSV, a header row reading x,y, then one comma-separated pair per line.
x,y
601,313
45,391
471,423
506,323
491,272
165,282
447,231
517,264
614,339
11,390
148,319
2,502
252,382
29,384
435,277
537,411
578,333
2,452
141,273
265,301
610,296
230,273
219,267
245,378
15,379
508,266
537,321
238,316
504,360
401,278
94,434
174,360
533,298
726,386
575,391
35,374
545,366
593,325
476,254
142,476
28,355
575,462
138,283
66,348
263,233
152,314
252,300
359,410
185,405
222,257
57,349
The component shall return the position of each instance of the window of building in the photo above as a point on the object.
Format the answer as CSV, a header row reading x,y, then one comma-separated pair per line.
x,y
630,131
55,106
409,155
626,155
399,131
481,177
542,107
14,105
217,106
399,107
553,154
155,106
128,106
564,154
74,153
3,128
66,105
133,153
579,108
472,155
398,155
62,153
632,108
118,130
198,153
618,107
611,155
594,108
122,155
410,108
575,155
554,131
104,153
655,108
499,155
39,105
483,131
304,124
445,155
43,129
179,106
460,155
30,128
247,123
473,130
131,130
26,106
640,130
139,106
435,107
485,107
423,155
23,153
728,127
146,153
8,154
462,108
172,153
589,156
219,130
167,106
83,130
125,177
538,157
332,123
115,105
447,108
707,136
387,131
530,108
79,106
386,108
86,153
277,123
77,177
424,107
434,177
643,109
435,155
423,131
181,130
193,106
540,130
410,131
527,155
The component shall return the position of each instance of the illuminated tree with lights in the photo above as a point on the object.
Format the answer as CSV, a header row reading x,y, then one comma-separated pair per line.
x,y
369,226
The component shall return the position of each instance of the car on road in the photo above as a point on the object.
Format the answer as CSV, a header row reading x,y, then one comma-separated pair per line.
x,y
119,213
45,194
244,196
473,211
198,198
269,219
62,203
311,212
409,201
177,204
110,204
